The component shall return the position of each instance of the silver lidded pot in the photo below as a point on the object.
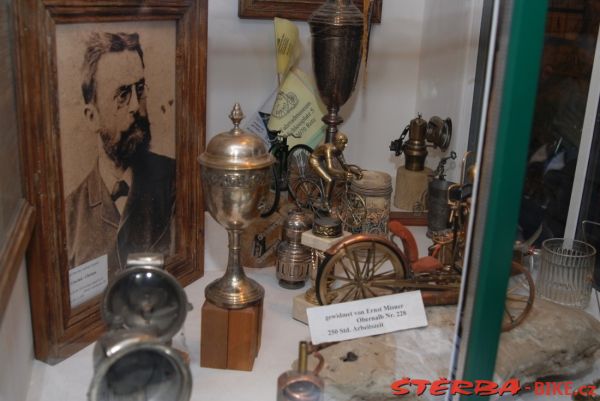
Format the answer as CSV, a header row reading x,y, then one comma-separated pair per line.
x,y
235,179
294,259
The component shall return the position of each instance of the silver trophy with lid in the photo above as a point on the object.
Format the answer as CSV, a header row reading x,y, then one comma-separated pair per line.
x,y
236,174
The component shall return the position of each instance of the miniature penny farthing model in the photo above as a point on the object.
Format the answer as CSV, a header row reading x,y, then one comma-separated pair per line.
x,y
364,266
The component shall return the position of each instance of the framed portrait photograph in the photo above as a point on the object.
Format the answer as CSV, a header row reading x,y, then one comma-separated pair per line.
x,y
113,116
292,9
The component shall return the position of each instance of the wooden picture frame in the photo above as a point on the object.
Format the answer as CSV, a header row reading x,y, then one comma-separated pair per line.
x,y
16,215
60,329
290,9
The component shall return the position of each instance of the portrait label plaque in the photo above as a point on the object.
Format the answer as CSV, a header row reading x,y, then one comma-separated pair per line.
x,y
88,280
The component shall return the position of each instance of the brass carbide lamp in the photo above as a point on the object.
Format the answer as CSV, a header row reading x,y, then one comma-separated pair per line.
x,y
235,179
436,132
336,29
412,179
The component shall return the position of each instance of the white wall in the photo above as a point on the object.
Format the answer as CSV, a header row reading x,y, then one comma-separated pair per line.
x,y
447,70
16,343
422,59
241,67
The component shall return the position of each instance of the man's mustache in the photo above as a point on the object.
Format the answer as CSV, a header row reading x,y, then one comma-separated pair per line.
x,y
131,142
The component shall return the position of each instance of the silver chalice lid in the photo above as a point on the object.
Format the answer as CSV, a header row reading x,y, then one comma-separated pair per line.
x,y
236,149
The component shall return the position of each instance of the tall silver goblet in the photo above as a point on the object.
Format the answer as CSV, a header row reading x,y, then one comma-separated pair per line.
x,y
235,178
336,28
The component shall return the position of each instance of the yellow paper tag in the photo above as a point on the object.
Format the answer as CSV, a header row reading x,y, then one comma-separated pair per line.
x,y
287,47
297,112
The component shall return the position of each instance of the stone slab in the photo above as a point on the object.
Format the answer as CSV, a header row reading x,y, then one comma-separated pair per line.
x,y
553,340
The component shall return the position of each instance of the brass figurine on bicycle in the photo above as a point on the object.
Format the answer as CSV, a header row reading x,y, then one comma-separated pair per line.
x,y
323,162
327,192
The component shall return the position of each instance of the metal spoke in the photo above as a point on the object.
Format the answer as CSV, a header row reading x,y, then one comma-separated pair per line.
x,y
343,287
377,265
521,298
512,319
364,268
368,288
517,288
385,276
385,287
340,278
347,269
347,295
355,264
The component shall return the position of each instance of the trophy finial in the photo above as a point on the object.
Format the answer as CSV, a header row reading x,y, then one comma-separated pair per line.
x,y
236,116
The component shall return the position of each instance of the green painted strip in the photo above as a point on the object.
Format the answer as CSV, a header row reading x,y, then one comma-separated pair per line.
x,y
516,114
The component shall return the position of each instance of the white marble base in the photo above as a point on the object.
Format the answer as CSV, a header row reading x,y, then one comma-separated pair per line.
x,y
299,308
321,243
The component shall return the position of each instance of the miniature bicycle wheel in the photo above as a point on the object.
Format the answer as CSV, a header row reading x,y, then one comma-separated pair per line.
x,y
519,297
270,202
298,167
361,266
339,187
308,194
351,208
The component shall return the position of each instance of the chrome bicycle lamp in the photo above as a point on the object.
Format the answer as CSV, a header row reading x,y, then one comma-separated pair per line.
x,y
144,308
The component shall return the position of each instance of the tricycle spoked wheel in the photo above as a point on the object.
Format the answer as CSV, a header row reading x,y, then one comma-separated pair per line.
x,y
519,297
360,269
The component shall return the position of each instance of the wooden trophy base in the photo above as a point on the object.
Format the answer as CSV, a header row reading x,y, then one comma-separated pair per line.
x,y
230,338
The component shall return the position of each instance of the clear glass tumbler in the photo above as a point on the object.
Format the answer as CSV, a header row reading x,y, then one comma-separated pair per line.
x,y
566,272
